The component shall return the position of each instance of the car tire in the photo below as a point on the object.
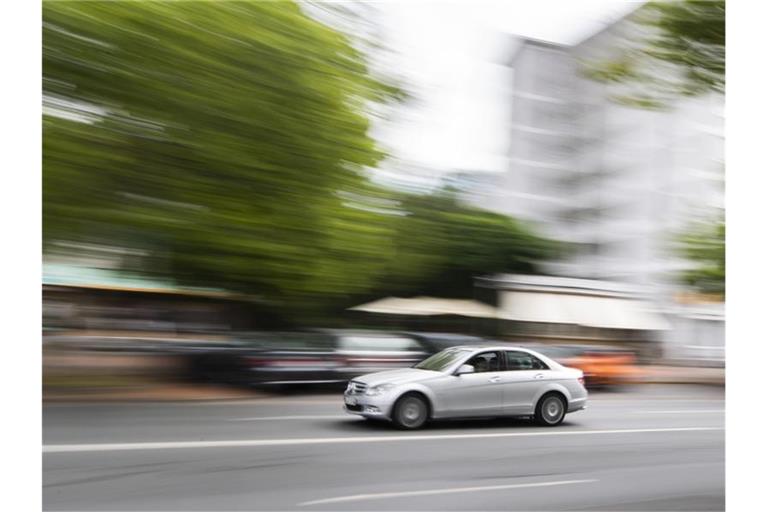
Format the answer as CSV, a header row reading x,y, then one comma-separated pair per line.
x,y
550,410
410,412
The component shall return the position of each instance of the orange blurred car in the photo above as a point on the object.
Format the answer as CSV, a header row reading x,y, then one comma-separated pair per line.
x,y
602,366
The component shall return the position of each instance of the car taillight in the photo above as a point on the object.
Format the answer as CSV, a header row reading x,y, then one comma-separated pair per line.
x,y
581,380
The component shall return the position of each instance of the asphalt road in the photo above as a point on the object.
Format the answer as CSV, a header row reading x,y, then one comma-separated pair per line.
x,y
651,448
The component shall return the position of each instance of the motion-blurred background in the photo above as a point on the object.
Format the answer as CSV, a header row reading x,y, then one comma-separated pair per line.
x,y
243,194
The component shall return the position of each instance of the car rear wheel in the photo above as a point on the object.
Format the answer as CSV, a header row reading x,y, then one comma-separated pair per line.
x,y
550,410
410,412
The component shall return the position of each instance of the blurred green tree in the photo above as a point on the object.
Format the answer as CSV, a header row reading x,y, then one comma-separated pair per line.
x,y
441,244
704,245
681,54
226,145
219,139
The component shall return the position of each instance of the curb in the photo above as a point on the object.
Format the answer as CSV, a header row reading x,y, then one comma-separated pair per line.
x,y
683,382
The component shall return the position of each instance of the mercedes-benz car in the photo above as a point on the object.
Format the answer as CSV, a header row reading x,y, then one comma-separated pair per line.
x,y
470,381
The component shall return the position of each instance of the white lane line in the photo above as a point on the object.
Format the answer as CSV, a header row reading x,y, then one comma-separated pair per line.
x,y
170,445
684,411
360,497
630,400
306,417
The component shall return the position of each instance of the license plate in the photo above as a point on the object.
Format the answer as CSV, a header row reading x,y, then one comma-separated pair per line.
x,y
350,400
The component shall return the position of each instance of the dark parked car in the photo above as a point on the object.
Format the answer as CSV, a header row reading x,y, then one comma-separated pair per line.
x,y
317,357
603,366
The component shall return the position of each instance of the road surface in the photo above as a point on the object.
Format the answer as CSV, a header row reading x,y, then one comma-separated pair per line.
x,y
652,448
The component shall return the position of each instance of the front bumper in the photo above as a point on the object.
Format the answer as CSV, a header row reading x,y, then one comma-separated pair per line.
x,y
377,406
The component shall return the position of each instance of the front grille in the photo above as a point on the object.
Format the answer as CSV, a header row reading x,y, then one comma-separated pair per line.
x,y
356,408
357,388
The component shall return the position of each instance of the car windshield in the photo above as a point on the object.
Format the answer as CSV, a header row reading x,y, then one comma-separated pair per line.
x,y
442,360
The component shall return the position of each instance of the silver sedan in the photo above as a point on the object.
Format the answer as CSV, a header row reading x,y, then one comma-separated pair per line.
x,y
465,382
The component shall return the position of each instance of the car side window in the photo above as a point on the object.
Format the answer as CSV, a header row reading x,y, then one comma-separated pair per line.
x,y
517,361
485,362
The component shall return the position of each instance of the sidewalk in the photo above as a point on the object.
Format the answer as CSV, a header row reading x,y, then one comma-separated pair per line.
x,y
682,375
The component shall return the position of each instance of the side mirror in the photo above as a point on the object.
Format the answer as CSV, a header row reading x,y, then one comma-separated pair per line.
x,y
465,368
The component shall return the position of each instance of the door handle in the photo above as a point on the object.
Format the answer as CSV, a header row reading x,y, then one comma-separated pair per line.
x,y
494,379
538,376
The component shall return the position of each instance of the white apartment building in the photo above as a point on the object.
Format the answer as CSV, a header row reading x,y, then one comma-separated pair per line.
x,y
620,183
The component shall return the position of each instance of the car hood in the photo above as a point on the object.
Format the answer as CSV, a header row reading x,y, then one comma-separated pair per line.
x,y
400,376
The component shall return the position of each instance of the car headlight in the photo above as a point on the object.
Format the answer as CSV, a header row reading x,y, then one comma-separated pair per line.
x,y
378,390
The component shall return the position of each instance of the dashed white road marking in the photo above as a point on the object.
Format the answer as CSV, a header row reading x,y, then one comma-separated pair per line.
x,y
683,411
242,443
378,496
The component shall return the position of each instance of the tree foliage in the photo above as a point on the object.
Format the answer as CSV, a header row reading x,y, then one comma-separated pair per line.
x,y
215,136
704,245
682,54
442,244
226,143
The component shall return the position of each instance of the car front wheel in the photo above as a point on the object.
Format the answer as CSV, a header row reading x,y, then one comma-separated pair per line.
x,y
550,410
410,412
